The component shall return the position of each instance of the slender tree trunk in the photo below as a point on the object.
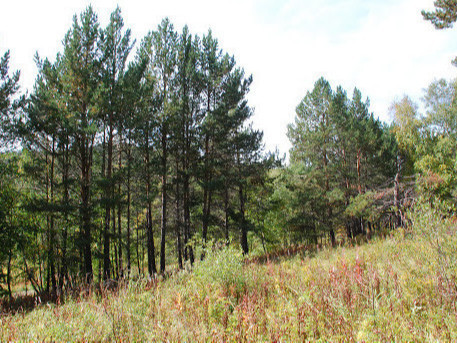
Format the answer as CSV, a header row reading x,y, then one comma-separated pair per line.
x,y
164,199
128,209
206,197
119,212
397,193
48,224
327,188
142,252
108,200
226,209
138,244
66,197
102,198
87,224
188,250
33,282
369,230
52,242
244,231
8,273
85,147
51,285
114,252
178,218
347,194
359,171
150,236
40,263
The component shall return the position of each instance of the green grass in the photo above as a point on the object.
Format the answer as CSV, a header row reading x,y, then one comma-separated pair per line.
x,y
398,289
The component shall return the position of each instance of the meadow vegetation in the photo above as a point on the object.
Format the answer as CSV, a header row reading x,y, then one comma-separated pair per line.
x,y
399,288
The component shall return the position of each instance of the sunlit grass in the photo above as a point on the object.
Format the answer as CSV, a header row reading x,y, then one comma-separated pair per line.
x,y
398,289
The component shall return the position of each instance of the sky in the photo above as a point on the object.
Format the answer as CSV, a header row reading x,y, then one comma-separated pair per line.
x,y
382,47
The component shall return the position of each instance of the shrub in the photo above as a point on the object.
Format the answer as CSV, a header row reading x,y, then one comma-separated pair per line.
x,y
222,267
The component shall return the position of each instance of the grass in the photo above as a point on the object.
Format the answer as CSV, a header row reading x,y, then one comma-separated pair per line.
x,y
398,289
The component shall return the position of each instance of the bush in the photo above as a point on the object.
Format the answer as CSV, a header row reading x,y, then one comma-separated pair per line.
x,y
222,267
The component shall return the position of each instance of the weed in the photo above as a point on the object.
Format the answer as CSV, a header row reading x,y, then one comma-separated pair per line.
x,y
402,288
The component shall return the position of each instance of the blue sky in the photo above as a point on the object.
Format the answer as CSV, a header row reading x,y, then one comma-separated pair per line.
x,y
382,47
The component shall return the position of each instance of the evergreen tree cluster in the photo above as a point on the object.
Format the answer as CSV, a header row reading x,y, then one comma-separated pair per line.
x,y
343,163
130,161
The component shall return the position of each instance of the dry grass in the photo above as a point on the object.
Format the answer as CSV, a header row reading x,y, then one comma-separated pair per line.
x,y
399,289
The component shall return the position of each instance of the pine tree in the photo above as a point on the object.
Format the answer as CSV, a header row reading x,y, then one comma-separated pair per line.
x,y
445,14
443,17
115,46
313,145
9,87
81,85
145,130
11,228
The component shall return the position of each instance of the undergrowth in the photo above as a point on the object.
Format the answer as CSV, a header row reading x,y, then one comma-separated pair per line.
x,y
398,289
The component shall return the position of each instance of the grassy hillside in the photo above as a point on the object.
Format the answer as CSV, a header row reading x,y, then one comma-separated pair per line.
x,y
402,288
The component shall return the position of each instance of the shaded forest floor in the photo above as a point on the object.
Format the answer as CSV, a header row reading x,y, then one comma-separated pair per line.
x,y
398,289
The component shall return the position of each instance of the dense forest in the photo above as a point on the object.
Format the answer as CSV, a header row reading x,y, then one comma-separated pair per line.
x,y
134,160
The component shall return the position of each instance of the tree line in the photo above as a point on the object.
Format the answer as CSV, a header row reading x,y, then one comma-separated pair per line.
x,y
350,175
124,163
119,150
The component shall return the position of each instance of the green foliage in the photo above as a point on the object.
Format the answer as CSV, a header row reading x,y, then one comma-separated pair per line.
x,y
107,142
444,16
15,224
362,206
340,157
223,267
428,143
407,126
9,101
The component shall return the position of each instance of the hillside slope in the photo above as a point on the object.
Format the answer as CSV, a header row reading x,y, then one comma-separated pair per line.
x,y
402,288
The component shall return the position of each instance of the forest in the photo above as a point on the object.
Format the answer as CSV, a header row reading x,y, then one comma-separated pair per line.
x,y
132,162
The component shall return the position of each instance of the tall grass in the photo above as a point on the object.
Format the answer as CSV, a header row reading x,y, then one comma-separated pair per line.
x,y
399,289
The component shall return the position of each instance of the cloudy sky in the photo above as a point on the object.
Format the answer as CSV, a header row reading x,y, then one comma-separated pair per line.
x,y
382,47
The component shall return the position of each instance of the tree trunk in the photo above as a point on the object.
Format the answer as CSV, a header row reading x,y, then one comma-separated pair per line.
x,y
66,198
397,193
206,198
244,232
108,200
85,160
188,251
327,189
87,226
138,244
164,199
115,259
150,236
226,209
128,210
48,220
119,212
178,218
8,274
52,242
359,171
